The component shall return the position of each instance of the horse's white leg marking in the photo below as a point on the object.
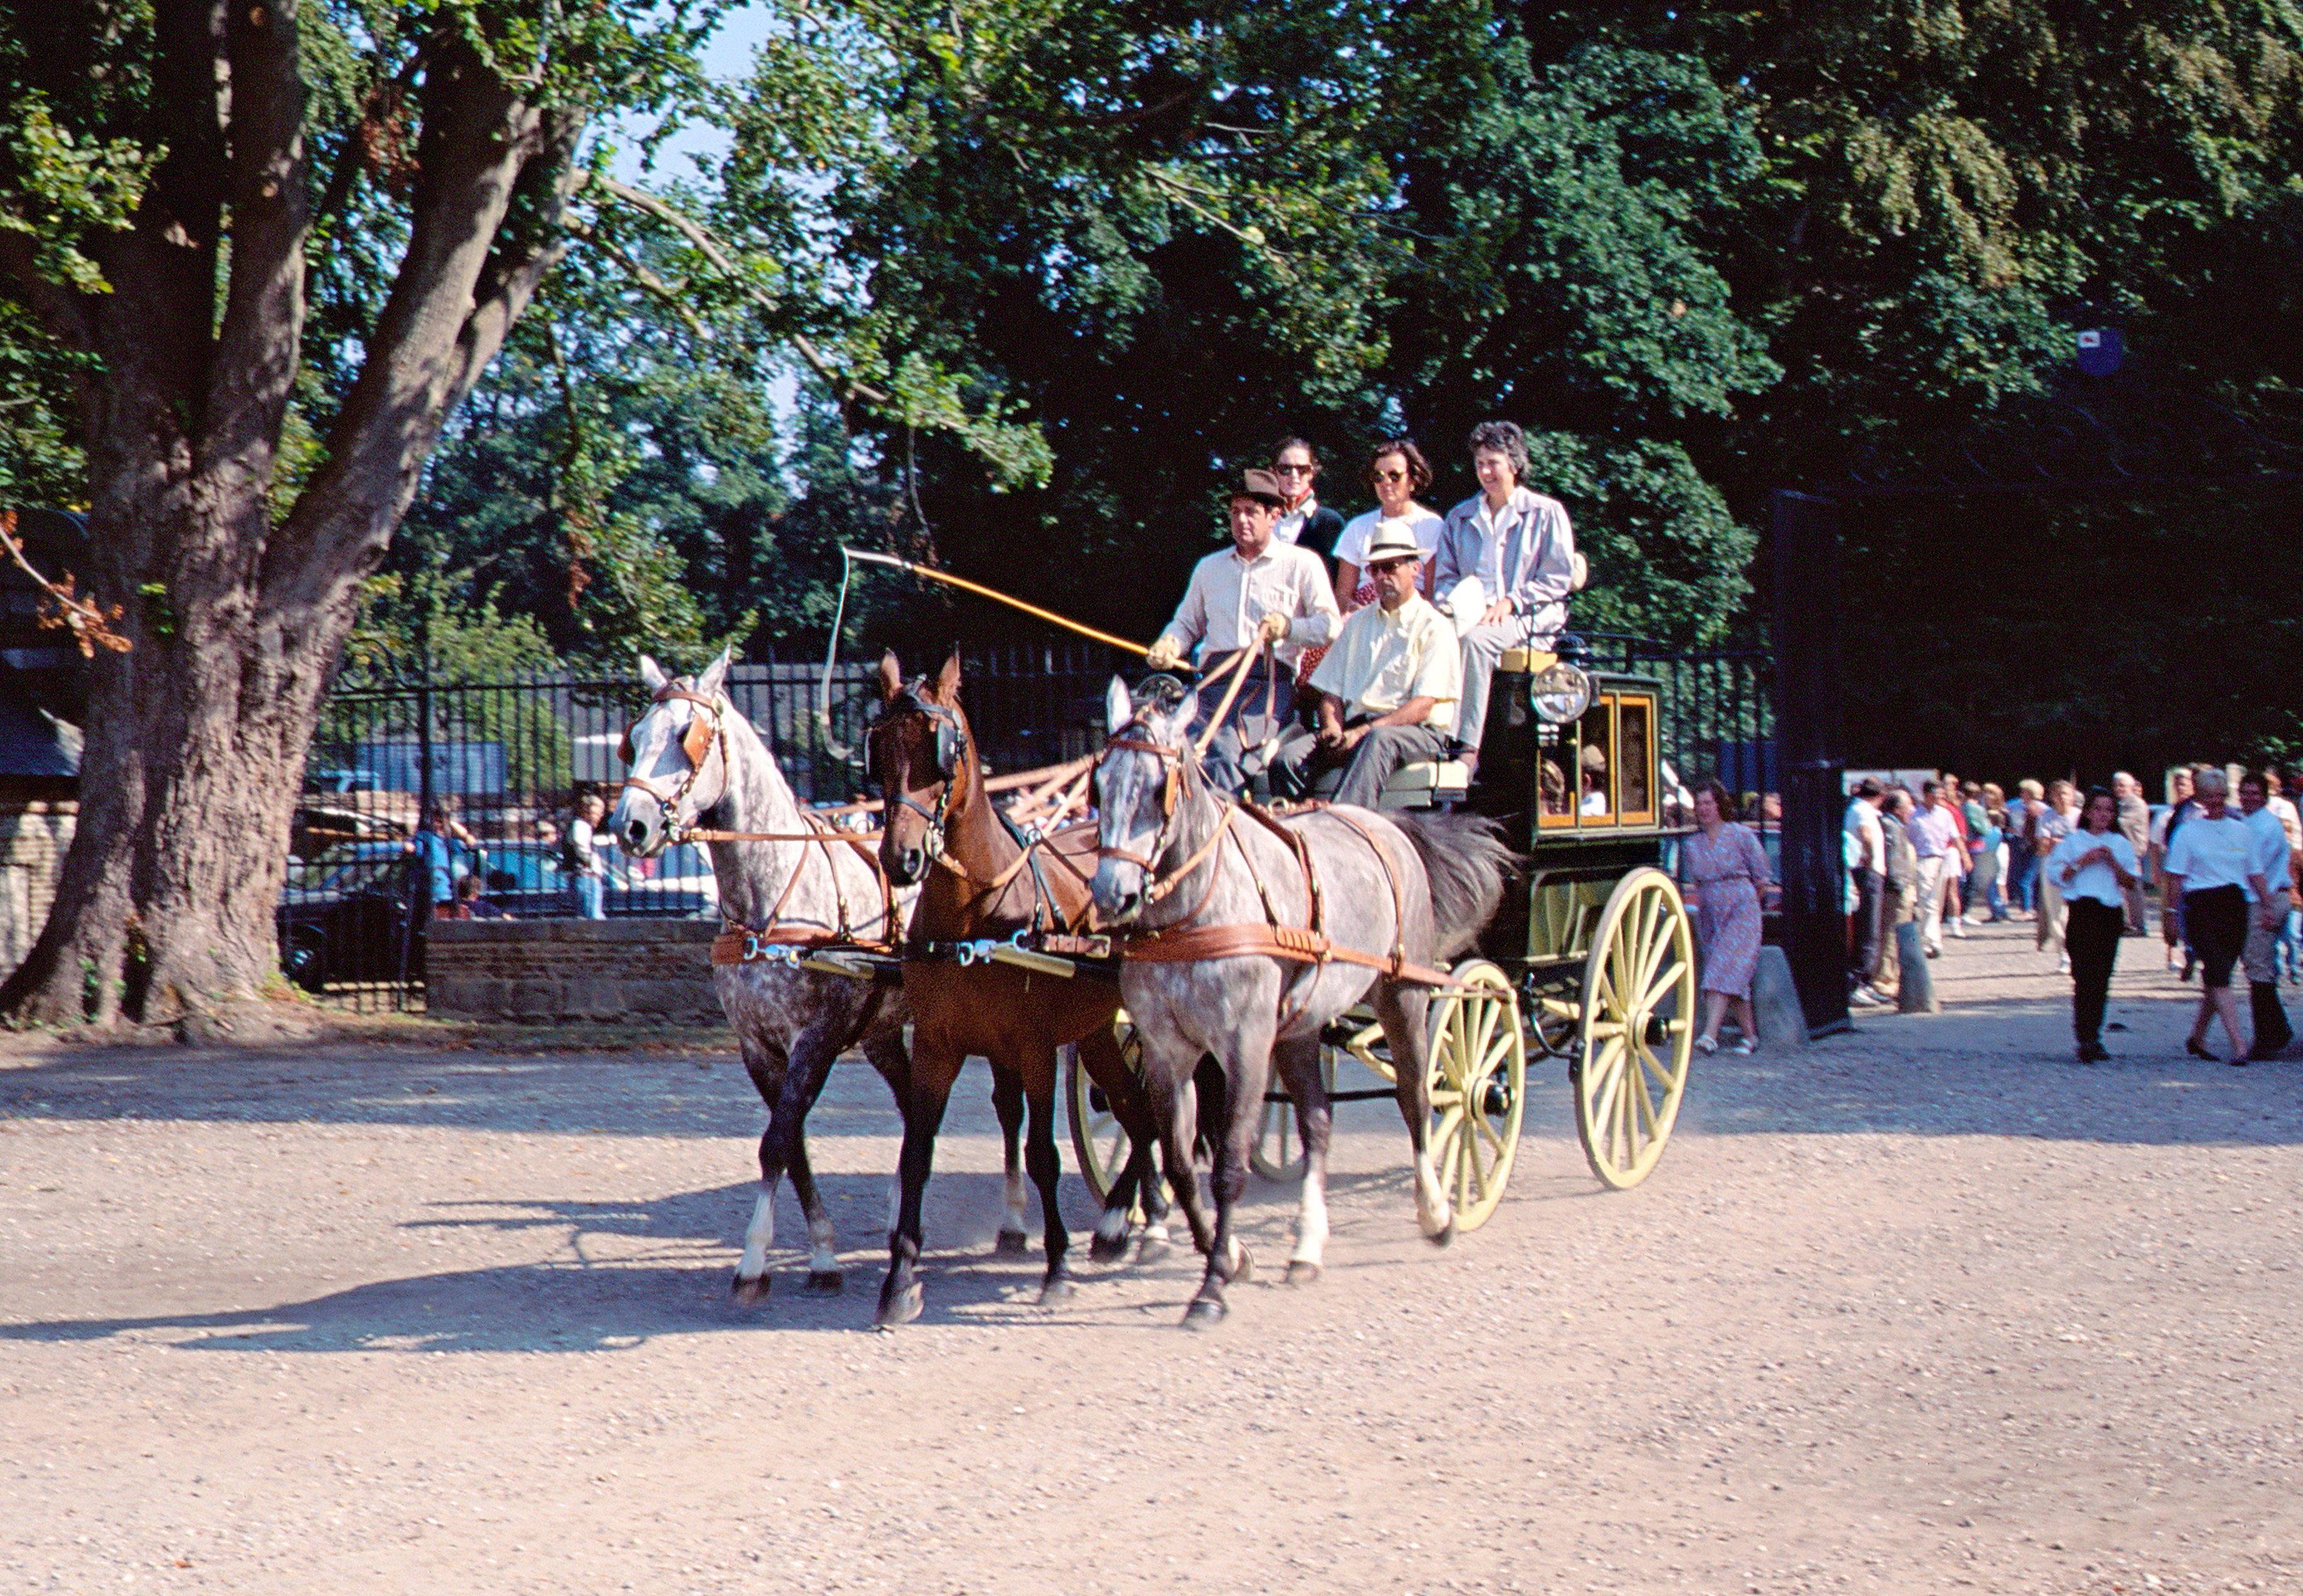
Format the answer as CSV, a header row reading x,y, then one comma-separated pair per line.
x,y
895,1202
759,1236
1112,1226
1013,1220
1431,1211
1311,1212
823,1257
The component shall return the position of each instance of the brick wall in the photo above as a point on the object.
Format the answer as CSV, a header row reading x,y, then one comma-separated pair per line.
x,y
544,971
35,835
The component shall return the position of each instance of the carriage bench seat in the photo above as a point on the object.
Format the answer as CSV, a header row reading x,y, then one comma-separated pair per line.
x,y
1422,784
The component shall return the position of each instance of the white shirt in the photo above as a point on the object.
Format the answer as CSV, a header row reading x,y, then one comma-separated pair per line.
x,y
1230,596
1352,542
2212,853
579,836
1862,823
2288,818
1934,833
2097,880
1382,659
2270,854
1290,526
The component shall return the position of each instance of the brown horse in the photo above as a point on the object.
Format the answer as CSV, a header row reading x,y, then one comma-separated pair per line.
x,y
982,880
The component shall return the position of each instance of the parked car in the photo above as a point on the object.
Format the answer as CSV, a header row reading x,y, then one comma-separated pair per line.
x,y
347,919
526,880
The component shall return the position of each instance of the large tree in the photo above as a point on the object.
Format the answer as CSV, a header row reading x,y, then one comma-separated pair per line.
x,y
181,175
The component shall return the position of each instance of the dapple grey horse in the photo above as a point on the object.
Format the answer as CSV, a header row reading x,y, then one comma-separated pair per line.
x,y
696,762
1175,854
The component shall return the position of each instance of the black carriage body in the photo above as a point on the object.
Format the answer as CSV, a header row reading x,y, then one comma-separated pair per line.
x,y
1586,803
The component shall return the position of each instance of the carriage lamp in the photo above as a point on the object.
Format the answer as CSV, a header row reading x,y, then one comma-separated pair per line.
x,y
1558,693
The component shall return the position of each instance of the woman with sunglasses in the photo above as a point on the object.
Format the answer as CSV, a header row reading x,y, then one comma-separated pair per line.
x,y
1397,472
1304,520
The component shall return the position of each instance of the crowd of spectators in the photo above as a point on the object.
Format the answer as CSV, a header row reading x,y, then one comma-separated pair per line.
x,y
2219,864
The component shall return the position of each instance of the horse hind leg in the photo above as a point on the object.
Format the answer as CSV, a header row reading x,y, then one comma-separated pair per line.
x,y
1400,1008
1298,1063
1008,1101
1099,1056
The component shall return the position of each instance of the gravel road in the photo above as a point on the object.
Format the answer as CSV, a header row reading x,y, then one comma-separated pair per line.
x,y
1923,1307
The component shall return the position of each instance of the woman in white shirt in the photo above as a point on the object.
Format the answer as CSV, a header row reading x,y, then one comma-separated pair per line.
x,y
1397,472
2092,867
2209,867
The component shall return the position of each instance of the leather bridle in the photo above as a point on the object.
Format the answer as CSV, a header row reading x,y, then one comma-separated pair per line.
x,y
950,753
1176,774
705,732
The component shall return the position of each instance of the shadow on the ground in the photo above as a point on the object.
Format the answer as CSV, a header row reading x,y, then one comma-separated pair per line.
x,y
602,1292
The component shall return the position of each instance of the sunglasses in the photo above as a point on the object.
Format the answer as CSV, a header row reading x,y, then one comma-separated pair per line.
x,y
1291,470
1384,565
1392,476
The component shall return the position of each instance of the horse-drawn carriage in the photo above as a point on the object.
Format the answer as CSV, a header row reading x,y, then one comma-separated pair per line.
x,y
944,926
1591,960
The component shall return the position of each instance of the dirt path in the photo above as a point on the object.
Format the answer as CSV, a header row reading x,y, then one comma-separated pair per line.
x,y
1920,1307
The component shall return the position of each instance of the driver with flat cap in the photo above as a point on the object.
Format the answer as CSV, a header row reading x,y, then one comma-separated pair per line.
x,y
1256,592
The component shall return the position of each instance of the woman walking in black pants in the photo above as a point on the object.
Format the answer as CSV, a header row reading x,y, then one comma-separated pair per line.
x,y
2211,864
2093,868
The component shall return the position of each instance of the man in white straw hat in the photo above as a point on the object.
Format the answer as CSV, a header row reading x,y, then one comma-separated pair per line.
x,y
1387,688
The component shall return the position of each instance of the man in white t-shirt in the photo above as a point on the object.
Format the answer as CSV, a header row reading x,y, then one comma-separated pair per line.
x,y
1869,871
587,873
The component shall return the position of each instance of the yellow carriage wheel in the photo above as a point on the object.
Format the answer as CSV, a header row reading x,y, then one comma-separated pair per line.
x,y
1476,1078
1099,1139
1277,1153
1637,1031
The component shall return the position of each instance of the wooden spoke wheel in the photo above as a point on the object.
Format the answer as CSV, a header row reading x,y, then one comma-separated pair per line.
x,y
1477,1077
1637,1032
1099,1141
1276,1153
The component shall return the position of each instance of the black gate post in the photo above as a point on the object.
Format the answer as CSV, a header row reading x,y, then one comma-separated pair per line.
x,y
1807,665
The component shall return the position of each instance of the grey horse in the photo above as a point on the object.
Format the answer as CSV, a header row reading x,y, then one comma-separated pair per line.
x,y
696,762
1178,854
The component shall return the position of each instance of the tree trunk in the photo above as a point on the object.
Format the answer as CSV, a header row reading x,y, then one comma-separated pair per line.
x,y
197,736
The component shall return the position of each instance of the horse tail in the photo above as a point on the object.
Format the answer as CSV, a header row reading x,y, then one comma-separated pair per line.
x,y
1467,865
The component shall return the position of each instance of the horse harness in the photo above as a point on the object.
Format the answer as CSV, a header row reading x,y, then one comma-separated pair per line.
x,y
775,942
1066,937
1189,942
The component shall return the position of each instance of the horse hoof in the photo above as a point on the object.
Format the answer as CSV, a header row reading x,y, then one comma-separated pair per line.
x,y
825,1282
748,1293
1152,1247
899,1305
1012,1244
1204,1313
1243,1270
1057,1290
1104,1249
1445,1234
1301,1272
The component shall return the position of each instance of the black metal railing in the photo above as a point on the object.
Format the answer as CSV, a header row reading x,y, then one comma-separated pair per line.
x,y
514,757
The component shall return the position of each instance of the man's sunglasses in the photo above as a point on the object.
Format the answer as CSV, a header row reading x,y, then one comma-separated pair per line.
x,y
1398,564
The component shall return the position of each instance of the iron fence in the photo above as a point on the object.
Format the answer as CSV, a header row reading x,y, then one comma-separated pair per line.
x,y
514,757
